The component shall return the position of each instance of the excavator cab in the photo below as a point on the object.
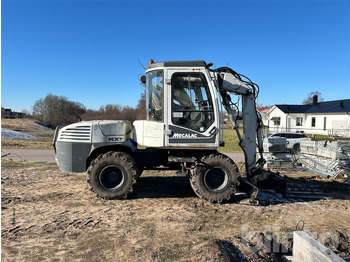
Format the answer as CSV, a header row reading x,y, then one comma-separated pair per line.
x,y
182,107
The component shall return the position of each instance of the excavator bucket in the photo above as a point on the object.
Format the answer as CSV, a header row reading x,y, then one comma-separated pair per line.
x,y
268,180
250,192
274,181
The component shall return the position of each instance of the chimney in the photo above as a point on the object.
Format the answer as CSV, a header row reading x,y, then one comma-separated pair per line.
x,y
315,99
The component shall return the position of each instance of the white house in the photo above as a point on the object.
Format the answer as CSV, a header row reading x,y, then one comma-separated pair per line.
x,y
328,118
264,117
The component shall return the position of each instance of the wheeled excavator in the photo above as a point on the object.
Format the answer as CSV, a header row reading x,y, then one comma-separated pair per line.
x,y
182,131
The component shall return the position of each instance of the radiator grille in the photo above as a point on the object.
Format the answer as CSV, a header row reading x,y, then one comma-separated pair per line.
x,y
78,133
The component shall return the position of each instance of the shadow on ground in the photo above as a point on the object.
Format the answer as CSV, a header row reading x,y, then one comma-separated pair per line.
x,y
298,190
163,187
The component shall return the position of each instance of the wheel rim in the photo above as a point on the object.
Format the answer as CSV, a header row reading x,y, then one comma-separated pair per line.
x,y
215,179
111,177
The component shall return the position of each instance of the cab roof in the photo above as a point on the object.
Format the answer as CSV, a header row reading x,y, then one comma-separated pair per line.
x,y
192,63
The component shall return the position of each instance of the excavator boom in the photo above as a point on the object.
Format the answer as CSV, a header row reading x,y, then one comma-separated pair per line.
x,y
229,81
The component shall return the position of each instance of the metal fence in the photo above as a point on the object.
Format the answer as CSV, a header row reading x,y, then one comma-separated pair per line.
x,y
345,132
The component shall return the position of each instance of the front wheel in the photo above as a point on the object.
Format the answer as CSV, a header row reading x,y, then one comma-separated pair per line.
x,y
215,178
112,175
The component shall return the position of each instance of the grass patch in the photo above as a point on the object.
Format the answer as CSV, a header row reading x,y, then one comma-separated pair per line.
x,y
318,137
27,144
231,141
149,230
169,253
75,204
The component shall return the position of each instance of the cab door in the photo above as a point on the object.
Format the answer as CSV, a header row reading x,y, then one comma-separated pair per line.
x,y
193,116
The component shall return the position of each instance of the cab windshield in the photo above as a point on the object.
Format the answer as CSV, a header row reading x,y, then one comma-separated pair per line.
x,y
155,93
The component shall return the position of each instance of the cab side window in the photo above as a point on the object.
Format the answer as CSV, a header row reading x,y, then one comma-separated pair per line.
x,y
191,101
155,96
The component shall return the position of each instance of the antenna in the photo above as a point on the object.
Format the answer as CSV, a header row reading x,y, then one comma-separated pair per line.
x,y
141,64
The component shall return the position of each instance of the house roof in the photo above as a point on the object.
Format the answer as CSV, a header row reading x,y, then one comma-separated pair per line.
x,y
262,109
337,106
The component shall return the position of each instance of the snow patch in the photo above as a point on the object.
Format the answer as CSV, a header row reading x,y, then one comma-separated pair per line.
x,y
10,134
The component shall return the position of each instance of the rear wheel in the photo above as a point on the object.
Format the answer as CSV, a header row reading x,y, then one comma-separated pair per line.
x,y
215,178
112,175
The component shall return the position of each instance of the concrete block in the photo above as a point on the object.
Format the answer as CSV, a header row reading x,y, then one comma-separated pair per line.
x,y
307,249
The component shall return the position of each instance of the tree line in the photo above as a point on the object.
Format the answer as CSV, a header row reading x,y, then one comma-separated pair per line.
x,y
56,110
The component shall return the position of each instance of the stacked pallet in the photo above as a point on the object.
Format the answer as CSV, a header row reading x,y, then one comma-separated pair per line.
x,y
328,149
328,158
276,155
279,160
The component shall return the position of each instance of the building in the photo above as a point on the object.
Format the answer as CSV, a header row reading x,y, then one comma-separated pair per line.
x,y
330,118
264,117
8,113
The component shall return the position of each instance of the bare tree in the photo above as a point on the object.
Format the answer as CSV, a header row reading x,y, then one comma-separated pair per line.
x,y
56,110
314,96
26,112
118,112
141,108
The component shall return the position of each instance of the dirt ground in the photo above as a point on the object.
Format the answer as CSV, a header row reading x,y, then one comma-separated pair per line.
x,y
49,215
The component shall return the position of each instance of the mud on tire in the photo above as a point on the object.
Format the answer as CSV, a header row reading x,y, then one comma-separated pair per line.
x,y
112,175
215,178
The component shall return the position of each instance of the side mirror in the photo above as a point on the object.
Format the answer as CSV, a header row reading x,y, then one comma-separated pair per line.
x,y
143,80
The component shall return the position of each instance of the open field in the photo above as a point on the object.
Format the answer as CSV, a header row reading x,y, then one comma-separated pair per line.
x,y
49,215
43,137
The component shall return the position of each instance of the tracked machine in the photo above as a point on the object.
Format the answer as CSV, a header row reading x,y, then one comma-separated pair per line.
x,y
182,132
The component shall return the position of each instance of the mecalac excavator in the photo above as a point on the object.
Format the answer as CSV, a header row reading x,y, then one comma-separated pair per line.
x,y
182,132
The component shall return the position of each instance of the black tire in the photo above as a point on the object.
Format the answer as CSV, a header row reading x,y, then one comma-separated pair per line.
x,y
112,175
296,149
215,178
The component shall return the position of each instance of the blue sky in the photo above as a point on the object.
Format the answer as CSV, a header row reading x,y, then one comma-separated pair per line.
x,y
88,51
